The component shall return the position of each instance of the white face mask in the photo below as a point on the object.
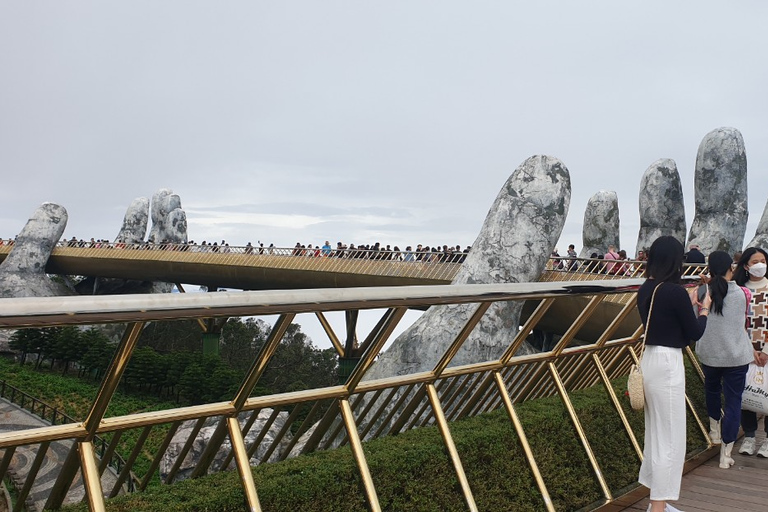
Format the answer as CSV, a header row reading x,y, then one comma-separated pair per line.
x,y
758,269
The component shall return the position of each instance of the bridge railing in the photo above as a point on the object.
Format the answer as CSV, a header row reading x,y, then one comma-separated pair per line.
x,y
52,415
418,267
255,429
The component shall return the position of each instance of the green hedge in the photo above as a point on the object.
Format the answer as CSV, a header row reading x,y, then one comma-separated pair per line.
x,y
412,471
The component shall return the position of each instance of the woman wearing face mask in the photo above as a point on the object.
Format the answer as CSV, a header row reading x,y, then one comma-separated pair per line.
x,y
750,272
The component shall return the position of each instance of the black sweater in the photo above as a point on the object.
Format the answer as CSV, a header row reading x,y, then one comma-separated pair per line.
x,y
673,322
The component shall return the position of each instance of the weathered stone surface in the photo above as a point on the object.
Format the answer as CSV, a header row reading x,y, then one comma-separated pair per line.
x,y
175,226
135,222
163,202
518,235
720,185
22,274
204,436
601,223
761,233
662,208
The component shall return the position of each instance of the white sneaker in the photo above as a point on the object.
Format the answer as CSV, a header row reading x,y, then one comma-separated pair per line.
x,y
670,508
748,446
763,451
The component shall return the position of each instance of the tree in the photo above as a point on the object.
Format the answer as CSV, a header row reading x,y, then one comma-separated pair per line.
x,y
98,352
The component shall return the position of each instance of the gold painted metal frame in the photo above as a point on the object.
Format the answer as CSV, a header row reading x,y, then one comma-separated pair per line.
x,y
359,409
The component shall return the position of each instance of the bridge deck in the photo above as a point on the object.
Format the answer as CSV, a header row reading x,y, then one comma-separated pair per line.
x,y
708,488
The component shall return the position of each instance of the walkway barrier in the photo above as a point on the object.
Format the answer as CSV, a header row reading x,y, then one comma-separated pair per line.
x,y
53,416
253,268
359,409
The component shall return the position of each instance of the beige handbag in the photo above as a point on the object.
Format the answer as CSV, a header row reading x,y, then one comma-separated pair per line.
x,y
635,379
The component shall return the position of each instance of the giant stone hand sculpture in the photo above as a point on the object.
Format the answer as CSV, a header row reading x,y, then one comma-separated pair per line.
x,y
662,211
721,192
517,237
601,223
22,274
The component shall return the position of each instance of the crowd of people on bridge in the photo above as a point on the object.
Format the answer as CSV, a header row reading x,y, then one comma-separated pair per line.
x,y
376,251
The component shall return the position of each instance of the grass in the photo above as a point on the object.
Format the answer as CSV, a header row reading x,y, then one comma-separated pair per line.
x,y
412,471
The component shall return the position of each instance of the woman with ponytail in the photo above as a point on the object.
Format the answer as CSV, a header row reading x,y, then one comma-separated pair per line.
x,y
725,351
750,272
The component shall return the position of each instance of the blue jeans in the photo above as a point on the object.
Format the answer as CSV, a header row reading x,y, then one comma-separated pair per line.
x,y
749,423
728,382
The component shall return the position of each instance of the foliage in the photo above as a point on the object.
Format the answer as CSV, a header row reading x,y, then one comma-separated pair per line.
x,y
412,471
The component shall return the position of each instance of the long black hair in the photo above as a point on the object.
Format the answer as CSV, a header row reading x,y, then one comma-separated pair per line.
x,y
719,263
665,260
741,276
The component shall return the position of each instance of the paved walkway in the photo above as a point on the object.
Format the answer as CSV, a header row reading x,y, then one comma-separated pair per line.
x,y
742,488
13,418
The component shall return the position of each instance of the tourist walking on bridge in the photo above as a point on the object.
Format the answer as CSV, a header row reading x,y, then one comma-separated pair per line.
x,y
750,272
673,325
725,351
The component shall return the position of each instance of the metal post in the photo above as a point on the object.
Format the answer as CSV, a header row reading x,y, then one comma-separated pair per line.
x,y
91,478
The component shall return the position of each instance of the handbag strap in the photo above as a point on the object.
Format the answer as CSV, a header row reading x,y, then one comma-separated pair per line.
x,y
648,320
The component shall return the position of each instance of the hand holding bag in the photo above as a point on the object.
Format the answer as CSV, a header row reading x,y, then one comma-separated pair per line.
x,y
635,379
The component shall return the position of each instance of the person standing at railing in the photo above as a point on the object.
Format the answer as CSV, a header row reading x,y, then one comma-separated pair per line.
x,y
673,325
694,255
750,272
725,351
573,265
609,257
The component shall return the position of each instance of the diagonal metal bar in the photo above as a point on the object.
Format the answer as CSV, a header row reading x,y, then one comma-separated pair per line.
x,y
275,443
534,319
91,478
125,473
617,406
387,421
616,322
111,447
159,455
445,432
6,462
577,324
329,331
184,450
580,431
248,424
450,353
398,424
96,414
243,465
31,476
357,451
260,364
523,438
305,425
704,430
250,380
391,319
112,378
264,431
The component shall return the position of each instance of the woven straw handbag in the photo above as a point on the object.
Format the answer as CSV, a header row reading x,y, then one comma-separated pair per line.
x,y
635,379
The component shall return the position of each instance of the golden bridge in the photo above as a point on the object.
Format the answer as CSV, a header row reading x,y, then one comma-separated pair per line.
x,y
594,315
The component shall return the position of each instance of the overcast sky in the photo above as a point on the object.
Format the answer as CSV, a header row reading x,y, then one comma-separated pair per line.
x,y
359,122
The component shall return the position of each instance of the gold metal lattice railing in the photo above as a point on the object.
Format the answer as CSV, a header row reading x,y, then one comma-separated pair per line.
x,y
344,414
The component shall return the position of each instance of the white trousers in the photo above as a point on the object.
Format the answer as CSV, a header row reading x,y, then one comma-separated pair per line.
x,y
664,450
